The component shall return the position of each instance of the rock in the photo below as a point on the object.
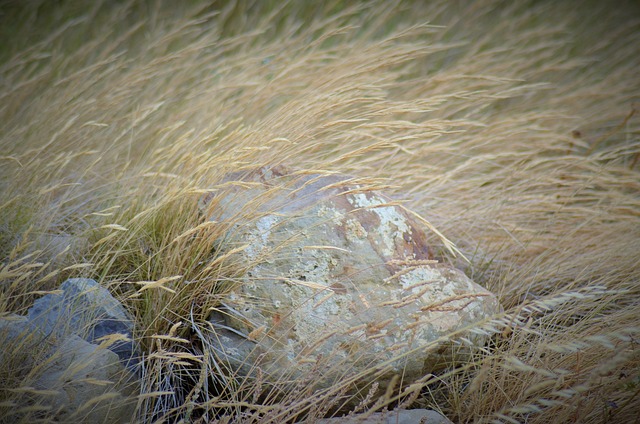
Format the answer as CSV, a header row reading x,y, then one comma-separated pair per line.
x,y
91,384
88,310
19,332
410,416
339,284
58,249
21,344
76,381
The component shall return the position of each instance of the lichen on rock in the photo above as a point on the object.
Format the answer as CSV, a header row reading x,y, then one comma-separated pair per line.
x,y
339,280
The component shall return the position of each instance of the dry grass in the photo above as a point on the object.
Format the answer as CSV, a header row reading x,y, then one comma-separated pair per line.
x,y
512,127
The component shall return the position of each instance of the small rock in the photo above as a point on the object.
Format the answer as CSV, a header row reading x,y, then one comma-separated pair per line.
x,y
91,384
75,380
21,344
18,330
88,310
59,249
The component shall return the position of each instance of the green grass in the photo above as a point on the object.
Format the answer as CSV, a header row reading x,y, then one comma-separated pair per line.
x,y
512,127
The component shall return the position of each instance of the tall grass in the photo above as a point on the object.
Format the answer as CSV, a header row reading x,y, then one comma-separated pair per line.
x,y
512,127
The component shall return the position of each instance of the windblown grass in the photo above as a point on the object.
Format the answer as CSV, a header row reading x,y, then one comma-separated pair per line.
x,y
512,127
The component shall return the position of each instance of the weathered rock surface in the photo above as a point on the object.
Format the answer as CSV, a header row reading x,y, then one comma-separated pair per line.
x,y
21,342
88,310
53,360
90,384
339,283
20,331
411,416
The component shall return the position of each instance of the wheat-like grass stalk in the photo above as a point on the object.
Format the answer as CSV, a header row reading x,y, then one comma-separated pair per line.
x,y
512,128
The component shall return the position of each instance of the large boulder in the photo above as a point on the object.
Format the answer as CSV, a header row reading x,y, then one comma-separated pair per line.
x,y
339,284
410,416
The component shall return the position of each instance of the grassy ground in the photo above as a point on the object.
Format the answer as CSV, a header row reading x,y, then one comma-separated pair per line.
x,y
511,126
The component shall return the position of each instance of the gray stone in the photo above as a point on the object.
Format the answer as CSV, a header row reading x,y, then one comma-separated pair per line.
x,y
18,329
339,284
21,343
76,380
410,416
91,384
86,309
59,248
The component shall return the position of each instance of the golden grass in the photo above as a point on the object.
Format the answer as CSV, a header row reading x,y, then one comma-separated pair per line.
x,y
512,127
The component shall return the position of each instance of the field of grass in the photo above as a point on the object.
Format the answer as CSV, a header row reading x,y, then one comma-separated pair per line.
x,y
513,127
